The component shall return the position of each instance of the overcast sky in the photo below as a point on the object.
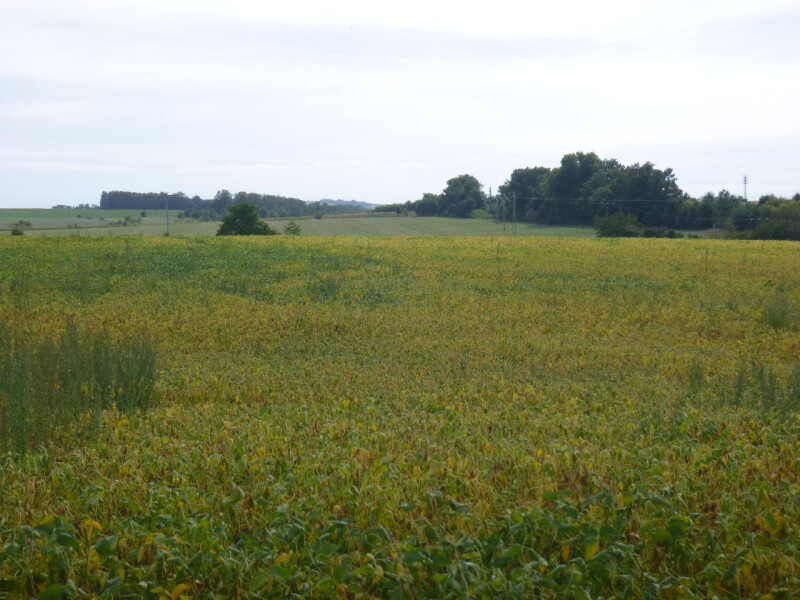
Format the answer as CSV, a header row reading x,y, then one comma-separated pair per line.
x,y
382,103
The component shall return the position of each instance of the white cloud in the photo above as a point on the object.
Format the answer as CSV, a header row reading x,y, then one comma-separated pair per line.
x,y
355,99
54,110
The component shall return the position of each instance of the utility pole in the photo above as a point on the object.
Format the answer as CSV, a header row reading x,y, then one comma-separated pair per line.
x,y
745,188
167,215
504,211
514,210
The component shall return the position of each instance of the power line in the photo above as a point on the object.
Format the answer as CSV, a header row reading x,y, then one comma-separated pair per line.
x,y
707,219
603,200
663,215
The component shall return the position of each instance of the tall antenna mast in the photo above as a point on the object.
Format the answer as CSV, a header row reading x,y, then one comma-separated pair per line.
x,y
745,187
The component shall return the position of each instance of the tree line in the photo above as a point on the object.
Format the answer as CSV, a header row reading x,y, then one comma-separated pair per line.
x,y
585,188
269,206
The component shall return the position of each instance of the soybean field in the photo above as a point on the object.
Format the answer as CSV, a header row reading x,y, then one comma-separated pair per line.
x,y
399,417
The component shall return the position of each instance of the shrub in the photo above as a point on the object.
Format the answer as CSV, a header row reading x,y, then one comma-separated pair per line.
x,y
291,228
242,219
618,225
16,231
778,312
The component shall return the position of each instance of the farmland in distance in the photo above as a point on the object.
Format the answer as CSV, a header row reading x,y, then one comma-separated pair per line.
x,y
408,417
100,222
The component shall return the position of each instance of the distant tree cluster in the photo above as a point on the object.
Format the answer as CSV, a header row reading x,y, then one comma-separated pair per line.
x,y
118,200
85,205
269,206
585,190
771,218
461,197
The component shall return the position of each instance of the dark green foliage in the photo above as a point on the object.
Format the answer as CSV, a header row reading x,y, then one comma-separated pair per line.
x,y
618,225
242,219
624,225
55,383
566,183
199,215
16,231
146,201
584,188
525,185
427,206
270,206
291,228
222,200
776,219
759,385
397,208
778,311
462,195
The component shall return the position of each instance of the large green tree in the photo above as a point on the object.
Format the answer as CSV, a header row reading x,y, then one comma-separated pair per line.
x,y
427,206
462,195
242,219
222,200
585,187
525,186
777,219
565,190
652,195
566,181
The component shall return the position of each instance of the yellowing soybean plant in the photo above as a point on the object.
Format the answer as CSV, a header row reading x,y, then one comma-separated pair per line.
x,y
404,418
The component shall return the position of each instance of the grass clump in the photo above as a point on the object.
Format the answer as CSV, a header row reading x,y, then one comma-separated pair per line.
x,y
779,313
68,380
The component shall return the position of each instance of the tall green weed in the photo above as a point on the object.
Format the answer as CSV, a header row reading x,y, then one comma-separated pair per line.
x,y
69,380
778,311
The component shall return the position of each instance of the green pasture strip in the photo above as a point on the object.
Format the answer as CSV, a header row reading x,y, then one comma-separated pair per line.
x,y
64,222
61,221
